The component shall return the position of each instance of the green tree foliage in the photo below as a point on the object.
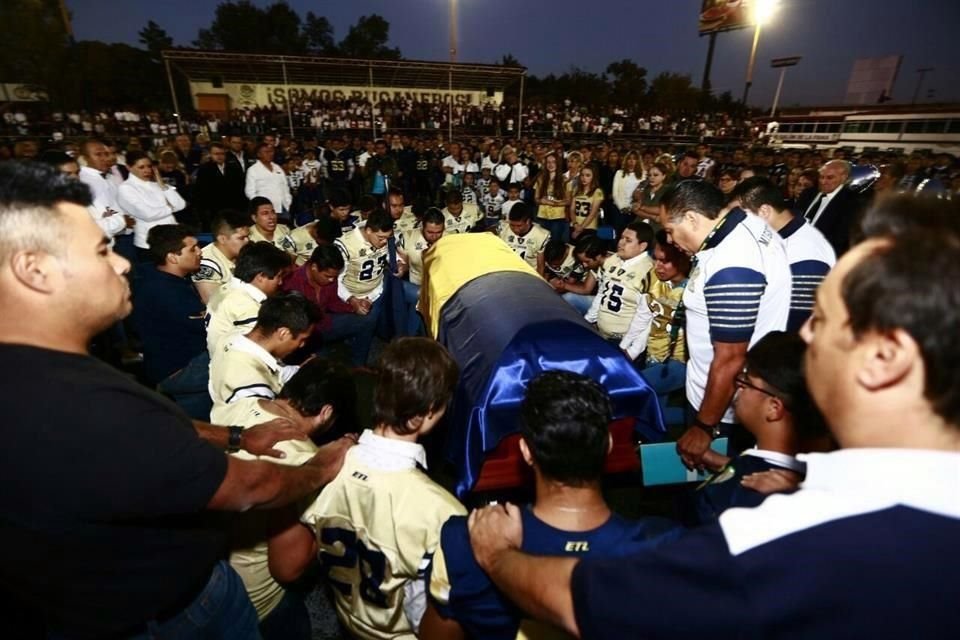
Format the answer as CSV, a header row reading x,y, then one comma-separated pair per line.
x,y
319,35
628,82
368,39
243,27
155,39
34,42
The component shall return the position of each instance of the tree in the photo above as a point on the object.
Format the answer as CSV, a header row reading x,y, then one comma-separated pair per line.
x,y
509,61
155,39
674,91
368,39
35,43
318,33
629,82
241,26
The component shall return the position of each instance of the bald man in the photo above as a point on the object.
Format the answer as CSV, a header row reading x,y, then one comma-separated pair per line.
x,y
831,207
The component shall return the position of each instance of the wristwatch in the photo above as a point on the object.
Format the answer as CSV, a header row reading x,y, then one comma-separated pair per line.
x,y
712,430
234,437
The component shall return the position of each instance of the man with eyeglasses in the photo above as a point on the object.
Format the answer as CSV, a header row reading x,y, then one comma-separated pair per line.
x,y
773,405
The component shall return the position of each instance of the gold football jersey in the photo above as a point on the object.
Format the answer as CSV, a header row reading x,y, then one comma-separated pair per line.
x,y
622,285
281,238
303,242
214,266
663,299
413,245
232,309
528,246
468,219
582,204
240,368
364,265
376,531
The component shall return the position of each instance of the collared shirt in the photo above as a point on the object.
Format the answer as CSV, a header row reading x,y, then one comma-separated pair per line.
x,y
870,530
823,203
325,297
738,291
104,193
270,183
811,257
240,368
232,309
150,204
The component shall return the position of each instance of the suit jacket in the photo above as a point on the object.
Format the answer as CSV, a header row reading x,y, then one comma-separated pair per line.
x,y
214,191
837,219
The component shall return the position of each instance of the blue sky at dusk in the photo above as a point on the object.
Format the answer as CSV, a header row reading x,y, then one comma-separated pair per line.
x,y
553,35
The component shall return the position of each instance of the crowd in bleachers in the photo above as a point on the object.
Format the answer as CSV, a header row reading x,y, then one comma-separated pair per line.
x,y
765,296
361,115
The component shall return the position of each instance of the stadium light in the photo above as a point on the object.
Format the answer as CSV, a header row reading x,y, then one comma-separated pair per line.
x,y
763,11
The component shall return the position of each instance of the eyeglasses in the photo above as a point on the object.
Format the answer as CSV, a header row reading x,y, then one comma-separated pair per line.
x,y
743,381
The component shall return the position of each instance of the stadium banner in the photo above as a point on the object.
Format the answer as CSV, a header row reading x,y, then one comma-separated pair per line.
x,y
265,95
724,15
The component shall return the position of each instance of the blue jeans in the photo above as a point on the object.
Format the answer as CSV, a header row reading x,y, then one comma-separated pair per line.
x,y
559,229
357,330
665,378
222,610
289,620
578,301
413,324
189,387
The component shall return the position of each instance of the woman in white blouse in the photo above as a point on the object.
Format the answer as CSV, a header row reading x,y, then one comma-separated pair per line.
x,y
626,181
147,198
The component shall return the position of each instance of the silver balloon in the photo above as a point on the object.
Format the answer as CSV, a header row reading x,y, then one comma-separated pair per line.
x,y
862,177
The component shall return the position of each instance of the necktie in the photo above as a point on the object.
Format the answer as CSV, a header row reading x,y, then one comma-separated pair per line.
x,y
812,211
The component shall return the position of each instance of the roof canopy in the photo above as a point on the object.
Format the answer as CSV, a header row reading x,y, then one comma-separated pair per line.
x,y
307,70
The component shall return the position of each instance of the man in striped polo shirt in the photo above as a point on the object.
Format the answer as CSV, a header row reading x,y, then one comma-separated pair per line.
x,y
739,290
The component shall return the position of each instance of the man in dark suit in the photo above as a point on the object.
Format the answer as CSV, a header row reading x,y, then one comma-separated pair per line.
x,y
219,185
832,207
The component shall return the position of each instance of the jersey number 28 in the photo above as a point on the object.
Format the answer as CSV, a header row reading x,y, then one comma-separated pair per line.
x,y
369,563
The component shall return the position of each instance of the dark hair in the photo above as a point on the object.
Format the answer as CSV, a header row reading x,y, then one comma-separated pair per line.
x,y
367,203
164,239
420,206
912,282
260,258
321,382
255,203
326,256
217,145
395,191
758,191
898,215
433,216
693,195
287,310
590,246
689,153
380,220
56,158
564,419
521,211
453,197
326,229
414,377
777,359
227,221
678,258
514,186
262,145
34,184
554,250
339,198
133,157
643,230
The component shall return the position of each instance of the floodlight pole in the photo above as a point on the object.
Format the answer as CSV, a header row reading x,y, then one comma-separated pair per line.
x,y
520,108
283,64
373,117
922,72
782,64
453,60
753,57
173,94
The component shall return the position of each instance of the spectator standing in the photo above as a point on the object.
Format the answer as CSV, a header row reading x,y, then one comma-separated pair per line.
x,y
265,179
148,199
219,185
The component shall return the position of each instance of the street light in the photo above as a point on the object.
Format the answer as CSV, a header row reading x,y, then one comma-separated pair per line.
x,y
782,64
763,11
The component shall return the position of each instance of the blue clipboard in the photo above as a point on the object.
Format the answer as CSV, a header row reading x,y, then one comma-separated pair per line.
x,y
660,463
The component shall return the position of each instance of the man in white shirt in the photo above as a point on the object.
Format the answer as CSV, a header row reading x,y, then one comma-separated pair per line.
x,y
879,514
810,255
267,180
105,210
511,170
738,291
